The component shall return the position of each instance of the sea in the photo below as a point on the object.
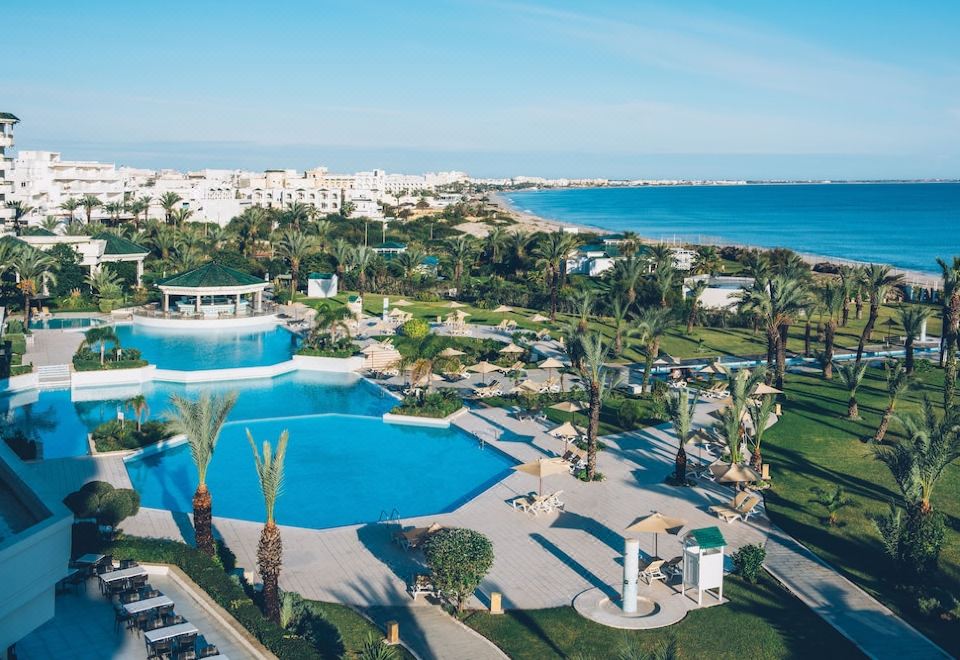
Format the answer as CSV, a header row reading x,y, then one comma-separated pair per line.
x,y
907,225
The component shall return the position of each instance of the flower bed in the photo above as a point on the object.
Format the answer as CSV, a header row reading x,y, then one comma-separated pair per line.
x,y
435,404
111,436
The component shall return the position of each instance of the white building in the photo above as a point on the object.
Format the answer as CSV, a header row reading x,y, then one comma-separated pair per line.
x,y
365,204
322,285
7,121
44,180
721,292
592,260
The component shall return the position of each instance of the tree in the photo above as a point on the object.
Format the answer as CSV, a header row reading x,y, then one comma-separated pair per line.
x,y
102,335
139,406
652,324
69,205
693,299
168,201
760,419
461,252
618,318
832,502
20,209
517,245
459,559
361,259
851,375
201,421
663,276
104,283
494,243
898,382
89,203
831,301
951,328
877,280
180,216
593,372
270,550
731,424
294,246
775,302
114,210
912,318
681,408
707,260
551,252
627,274
35,272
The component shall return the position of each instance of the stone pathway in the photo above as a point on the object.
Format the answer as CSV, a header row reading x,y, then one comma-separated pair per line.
x,y
432,634
52,347
853,612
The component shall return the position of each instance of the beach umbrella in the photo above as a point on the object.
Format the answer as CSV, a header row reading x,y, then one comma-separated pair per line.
x,y
503,309
734,473
396,312
568,406
450,352
543,467
455,305
529,386
567,430
715,368
539,318
484,368
657,524
763,389
512,349
402,303
551,364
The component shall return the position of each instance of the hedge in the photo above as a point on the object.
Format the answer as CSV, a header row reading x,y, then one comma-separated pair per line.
x,y
94,365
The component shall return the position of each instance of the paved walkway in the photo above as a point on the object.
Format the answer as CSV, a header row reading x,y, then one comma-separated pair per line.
x,y
52,347
432,634
853,612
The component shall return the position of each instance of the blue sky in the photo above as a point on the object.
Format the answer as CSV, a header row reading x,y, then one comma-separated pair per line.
x,y
752,89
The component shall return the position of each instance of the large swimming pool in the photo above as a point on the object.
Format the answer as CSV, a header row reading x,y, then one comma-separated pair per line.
x,y
340,470
61,419
190,350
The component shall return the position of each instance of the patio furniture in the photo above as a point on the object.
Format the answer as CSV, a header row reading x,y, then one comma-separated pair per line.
x,y
159,649
673,567
652,571
414,537
146,604
152,637
421,584
127,563
741,508
554,501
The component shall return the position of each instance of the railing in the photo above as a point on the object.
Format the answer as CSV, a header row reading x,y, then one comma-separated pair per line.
x,y
153,311
389,516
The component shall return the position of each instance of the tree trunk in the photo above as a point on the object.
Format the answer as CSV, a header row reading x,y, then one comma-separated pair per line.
x,y
26,310
269,561
845,317
872,319
853,410
756,461
908,360
858,303
884,423
692,317
618,342
867,331
553,297
773,338
782,353
202,520
806,339
680,463
652,351
829,333
592,429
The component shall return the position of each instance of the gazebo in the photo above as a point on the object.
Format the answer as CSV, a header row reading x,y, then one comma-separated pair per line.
x,y
213,288
118,249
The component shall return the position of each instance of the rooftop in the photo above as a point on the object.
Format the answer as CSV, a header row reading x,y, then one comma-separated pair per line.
x,y
119,245
390,245
8,117
211,274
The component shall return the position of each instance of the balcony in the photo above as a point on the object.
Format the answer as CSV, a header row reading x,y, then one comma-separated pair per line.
x,y
6,141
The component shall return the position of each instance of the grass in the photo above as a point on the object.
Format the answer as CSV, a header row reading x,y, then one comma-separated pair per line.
x,y
609,418
760,621
814,445
354,629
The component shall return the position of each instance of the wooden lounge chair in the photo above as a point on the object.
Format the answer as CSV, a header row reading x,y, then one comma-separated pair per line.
x,y
412,538
652,571
740,509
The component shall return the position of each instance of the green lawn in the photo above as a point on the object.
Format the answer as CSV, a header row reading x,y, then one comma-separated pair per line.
x,y
814,445
760,621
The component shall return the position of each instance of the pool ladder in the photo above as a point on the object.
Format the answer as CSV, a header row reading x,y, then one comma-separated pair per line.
x,y
389,516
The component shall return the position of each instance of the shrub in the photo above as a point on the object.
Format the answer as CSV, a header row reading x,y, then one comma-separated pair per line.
x,y
913,540
99,499
459,559
375,649
435,404
111,436
15,327
630,413
748,561
416,329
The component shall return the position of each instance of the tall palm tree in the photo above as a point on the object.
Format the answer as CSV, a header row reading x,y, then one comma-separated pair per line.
x,y
270,551
35,270
145,201
114,210
201,422
707,260
408,265
361,259
89,203
180,216
296,214
594,374
849,285
775,302
138,404
102,335
951,328
877,280
680,408
832,298
898,382
851,375
760,418
341,252
493,244
294,246
731,425
321,229
663,276
582,301
618,318
517,245
912,318
652,324
627,273
461,252
168,201
552,251
20,209
693,299
69,205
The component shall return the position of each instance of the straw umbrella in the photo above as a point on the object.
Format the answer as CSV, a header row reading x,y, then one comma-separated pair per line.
x,y
764,389
450,352
539,318
503,309
455,305
572,407
657,523
402,303
735,473
551,364
543,467
484,368
512,349
567,432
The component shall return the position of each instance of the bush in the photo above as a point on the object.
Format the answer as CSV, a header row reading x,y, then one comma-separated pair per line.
x,y
630,413
436,404
110,436
15,327
913,540
416,329
25,447
748,562
99,499
459,559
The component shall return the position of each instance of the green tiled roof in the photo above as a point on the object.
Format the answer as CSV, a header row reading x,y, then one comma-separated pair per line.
x,y
8,117
119,245
211,274
391,245
708,537
430,260
320,276
37,231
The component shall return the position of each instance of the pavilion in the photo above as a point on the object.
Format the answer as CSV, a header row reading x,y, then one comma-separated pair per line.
x,y
212,289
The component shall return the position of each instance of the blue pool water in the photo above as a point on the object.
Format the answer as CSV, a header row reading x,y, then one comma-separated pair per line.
x,y
340,470
59,323
61,419
192,350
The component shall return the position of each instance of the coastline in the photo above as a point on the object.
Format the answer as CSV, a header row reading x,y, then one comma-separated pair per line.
x,y
538,223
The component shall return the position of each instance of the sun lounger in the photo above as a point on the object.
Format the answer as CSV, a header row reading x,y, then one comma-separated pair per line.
x,y
415,536
554,501
652,571
524,503
740,509
421,584
673,567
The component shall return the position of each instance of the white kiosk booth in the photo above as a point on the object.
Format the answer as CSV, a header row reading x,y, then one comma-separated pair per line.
x,y
703,562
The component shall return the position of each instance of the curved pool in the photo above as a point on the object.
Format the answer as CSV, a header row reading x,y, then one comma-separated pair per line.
x,y
220,348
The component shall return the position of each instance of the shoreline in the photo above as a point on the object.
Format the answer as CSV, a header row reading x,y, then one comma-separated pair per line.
x,y
911,277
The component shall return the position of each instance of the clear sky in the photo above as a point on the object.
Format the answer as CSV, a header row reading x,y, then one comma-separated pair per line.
x,y
752,88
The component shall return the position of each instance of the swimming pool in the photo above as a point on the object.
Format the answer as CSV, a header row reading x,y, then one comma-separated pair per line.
x,y
61,419
222,348
340,470
64,323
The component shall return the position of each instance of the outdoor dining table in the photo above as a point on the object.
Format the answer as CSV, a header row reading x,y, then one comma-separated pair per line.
x,y
170,632
138,606
88,559
122,574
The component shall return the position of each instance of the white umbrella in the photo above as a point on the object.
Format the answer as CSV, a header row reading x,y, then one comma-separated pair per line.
x,y
454,304
484,368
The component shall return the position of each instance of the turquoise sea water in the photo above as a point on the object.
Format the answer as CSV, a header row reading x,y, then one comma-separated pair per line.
x,y
340,470
189,350
906,225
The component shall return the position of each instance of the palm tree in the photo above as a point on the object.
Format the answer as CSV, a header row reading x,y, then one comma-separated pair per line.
x,y
851,375
951,328
680,408
20,209
551,252
51,223
849,286
618,318
145,201
912,318
693,297
294,246
593,372
104,282
517,245
831,300
663,276
707,260
877,280
180,216
34,271
90,202
201,422
660,254
69,205
627,274
408,265
168,200
341,252
296,214
652,324
582,301
461,253
493,244
321,229
731,424
898,382
360,260
270,551
775,302
832,501
139,406
759,419
102,335
114,209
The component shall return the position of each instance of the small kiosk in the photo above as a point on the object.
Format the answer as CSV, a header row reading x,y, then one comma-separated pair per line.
x,y
703,561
